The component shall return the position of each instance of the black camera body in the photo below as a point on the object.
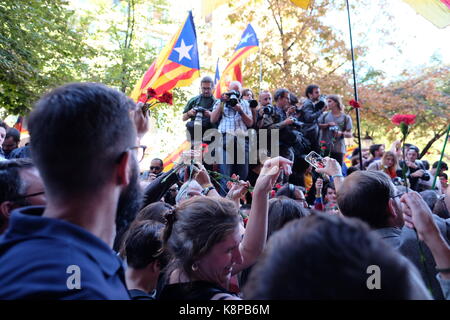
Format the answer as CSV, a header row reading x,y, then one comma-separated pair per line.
x,y
297,124
268,110
253,104
199,109
233,98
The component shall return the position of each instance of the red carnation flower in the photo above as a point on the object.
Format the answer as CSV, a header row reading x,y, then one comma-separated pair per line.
x,y
407,119
166,97
354,104
322,141
151,93
323,148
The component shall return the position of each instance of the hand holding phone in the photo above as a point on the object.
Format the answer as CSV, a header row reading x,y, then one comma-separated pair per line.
x,y
314,159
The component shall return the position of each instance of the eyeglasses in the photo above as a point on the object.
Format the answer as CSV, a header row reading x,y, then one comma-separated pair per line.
x,y
27,196
398,195
155,168
139,152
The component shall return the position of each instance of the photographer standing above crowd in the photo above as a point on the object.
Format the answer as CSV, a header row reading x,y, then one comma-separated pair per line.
x,y
234,117
335,125
199,108
278,118
311,111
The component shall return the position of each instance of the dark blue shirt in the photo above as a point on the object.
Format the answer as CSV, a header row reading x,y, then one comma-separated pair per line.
x,y
40,258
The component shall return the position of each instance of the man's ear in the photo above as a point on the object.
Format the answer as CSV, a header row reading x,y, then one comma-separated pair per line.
x,y
123,172
5,209
392,209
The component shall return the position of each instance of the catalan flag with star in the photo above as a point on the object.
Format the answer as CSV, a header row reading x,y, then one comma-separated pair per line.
x,y
249,43
176,66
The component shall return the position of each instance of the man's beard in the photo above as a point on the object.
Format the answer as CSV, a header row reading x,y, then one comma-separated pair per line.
x,y
129,204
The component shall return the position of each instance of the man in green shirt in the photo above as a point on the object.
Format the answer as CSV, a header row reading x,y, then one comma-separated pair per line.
x,y
198,109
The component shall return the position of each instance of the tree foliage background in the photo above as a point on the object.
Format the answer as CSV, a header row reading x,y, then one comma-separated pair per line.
x,y
43,44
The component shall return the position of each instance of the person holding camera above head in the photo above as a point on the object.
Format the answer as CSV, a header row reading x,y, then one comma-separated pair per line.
x,y
335,125
234,117
313,108
199,108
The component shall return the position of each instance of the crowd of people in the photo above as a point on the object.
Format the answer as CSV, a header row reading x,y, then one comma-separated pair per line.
x,y
79,221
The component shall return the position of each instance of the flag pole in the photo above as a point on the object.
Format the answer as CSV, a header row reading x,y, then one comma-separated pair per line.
x,y
440,160
260,68
358,123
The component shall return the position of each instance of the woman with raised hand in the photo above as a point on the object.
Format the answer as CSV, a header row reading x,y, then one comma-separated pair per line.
x,y
207,240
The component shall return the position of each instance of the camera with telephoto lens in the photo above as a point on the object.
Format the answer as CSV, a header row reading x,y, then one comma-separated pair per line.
x,y
268,110
321,103
297,124
233,98
253,104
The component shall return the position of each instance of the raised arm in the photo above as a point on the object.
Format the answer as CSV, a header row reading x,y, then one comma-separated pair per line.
x,y
334,170
255,234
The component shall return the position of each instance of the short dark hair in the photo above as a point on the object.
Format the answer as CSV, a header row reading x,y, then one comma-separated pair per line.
x,y
160,161
322,257
293,99
3,125
78,132
281,211
309,89
279,93
373,148
365,195
11,184
143,244
154,211
14,133
207,79
444,165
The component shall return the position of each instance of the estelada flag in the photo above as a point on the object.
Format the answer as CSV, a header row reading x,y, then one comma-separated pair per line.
x,y
249,43
176,66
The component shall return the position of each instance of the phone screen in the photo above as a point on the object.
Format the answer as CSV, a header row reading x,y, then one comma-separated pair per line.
x,y
314,159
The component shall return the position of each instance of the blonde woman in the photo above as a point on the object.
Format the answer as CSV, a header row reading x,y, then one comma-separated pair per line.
x,y
388,164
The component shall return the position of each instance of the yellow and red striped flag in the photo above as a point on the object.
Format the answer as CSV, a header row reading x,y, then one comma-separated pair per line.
x,y
435,11
176,66
249,43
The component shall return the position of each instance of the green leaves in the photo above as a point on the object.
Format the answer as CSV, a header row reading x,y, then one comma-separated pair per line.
x,y
38,49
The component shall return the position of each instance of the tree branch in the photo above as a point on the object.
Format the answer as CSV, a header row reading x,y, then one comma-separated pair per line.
x,y
436,137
